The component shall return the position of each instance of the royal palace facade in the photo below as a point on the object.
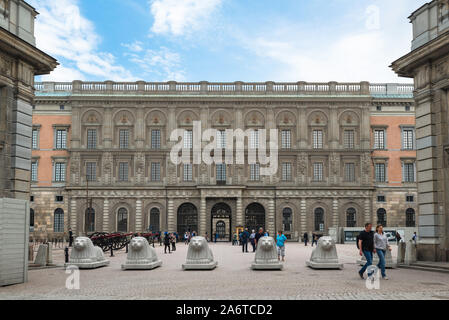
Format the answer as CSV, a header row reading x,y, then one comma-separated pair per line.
x,y
101,157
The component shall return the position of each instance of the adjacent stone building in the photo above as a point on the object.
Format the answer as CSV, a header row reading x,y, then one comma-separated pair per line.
x,y
428,64
117,142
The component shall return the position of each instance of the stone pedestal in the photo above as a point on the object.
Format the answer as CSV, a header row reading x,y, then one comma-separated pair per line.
x,y
141,256
85,255
266,255
410,253
324,256
199,255
401,252
41,256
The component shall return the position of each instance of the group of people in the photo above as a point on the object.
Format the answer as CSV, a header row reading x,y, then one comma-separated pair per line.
x,y
315,238
170,240
189,235
254,238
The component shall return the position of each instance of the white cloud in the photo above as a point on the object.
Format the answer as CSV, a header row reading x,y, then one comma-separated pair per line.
x,y
136,46
158,65
181,17
64,33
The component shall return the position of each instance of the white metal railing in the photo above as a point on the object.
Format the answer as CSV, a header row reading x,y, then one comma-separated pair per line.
x,y
362,88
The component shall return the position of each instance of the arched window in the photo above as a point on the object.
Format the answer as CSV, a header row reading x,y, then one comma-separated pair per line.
x,y
351,218
122,220
382,217
89,224
410,218
255,217
319,219
154,220
187,218
58,225
287,219
31,217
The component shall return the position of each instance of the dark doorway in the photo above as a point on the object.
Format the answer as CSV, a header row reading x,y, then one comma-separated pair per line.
x,y
154,220
221,216
187,218
89,225
255,217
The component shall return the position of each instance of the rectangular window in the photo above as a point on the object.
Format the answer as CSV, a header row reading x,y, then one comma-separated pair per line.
x,y
381,199
35,139
379,139
410,198
123,171
254,172
61,139
155,139
221,172
188,139
34,171
286,139
155,171
286,171
318,171
254,139
408,172
380,172
221,139
59,198
91,171
349,139
91,139
188,172
124,138
408,137
59,171
349,172
318,139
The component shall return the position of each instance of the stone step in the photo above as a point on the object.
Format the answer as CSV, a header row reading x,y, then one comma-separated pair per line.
x,y
425,267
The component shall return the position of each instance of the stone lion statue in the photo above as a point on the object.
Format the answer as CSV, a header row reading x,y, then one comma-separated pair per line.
x,y
85,255
141,255
324,256
266,255
199,255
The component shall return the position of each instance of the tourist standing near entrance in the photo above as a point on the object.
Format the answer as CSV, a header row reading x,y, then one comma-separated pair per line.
x,y
280,243
381,245
244,239
314,239
306,238
252,239
166,242
259,235
366,245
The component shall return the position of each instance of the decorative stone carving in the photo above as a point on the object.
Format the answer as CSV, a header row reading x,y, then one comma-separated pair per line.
x,y
141,256
389,263
335,163
302,164
266,255
85,255
199,255
324,256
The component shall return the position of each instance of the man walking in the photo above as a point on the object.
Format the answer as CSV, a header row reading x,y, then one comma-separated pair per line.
x,y
366,247
245,237
306,238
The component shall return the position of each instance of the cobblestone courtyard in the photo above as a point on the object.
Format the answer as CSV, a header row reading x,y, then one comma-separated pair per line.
x,y
233,279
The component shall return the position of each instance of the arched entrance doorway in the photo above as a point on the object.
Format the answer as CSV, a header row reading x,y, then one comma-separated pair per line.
x,y
154,220
255,217
187,219
221,216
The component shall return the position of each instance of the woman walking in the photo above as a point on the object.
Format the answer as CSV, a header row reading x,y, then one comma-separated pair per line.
x,y
381,246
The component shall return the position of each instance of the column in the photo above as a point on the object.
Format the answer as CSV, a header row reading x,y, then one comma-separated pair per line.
x,y
271,217
138,216
106,215
334,128
107,128
202,217
73,216
335,215
368,213
302,129
140,128
170,216
76,123
239,213
303,212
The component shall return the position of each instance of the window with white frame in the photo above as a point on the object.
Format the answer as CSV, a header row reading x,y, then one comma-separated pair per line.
x,y
91,171
221,172
379,139
124,138
318,171
254,172
188,139
61,139
254,139
188,172
349,139
408,172
349,172
91,138
34,171
59,171
221,139
286,137
408,139
58,222
380,172
155,139
155,171
318,139
35,139
286,171
123,171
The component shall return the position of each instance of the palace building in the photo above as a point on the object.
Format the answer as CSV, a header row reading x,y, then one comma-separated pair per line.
x,y
101,158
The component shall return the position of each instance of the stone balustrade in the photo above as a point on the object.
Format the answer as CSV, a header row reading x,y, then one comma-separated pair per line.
x,y
232,88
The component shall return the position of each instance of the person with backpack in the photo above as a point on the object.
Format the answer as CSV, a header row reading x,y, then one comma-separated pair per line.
x,y
244,236
415,237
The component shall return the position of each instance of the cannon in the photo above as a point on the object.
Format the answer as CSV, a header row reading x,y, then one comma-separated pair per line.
x,y
108,241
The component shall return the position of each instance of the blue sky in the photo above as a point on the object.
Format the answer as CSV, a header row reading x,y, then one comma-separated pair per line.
x,y
225,40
